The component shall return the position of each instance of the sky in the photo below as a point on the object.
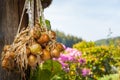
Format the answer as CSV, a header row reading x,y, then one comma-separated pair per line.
x,y
86,19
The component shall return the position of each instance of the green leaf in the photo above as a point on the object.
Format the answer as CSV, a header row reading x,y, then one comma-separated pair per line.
x,y
49,69
56,77
47,22
44,75
48,25
40,74
52,66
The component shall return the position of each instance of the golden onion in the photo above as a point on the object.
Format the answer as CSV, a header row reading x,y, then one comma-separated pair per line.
x,y
35,48
32,60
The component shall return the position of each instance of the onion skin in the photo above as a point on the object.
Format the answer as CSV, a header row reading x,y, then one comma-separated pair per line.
x,y
12,55
43,39
35,49
52,35
55,53
35,33
6,47
60,47
32,60
4,64
46,55
9,55
28,51
7,64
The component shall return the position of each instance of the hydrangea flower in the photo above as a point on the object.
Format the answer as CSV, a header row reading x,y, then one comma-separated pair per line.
x,y
72,57
82,61
85,72
73,52
63,58
64,65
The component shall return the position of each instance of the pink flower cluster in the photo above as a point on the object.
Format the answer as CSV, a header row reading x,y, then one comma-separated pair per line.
x,y
72,56
85,72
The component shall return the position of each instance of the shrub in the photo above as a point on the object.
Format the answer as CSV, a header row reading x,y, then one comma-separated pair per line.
x,y
98,58
73,65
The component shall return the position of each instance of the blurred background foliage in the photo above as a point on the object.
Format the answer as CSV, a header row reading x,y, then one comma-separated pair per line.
x,y
102,59
67,40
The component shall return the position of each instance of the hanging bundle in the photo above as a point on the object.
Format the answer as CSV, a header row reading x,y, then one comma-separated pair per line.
x,y
32,45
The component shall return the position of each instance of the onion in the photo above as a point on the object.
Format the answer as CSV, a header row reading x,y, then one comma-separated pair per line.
x,y
35,33
52,34
4,64
55,53
46,55
10,54
6,47
35,49
60,47
43,39
32,60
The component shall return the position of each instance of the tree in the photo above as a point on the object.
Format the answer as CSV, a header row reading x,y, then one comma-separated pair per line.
x,y
67,40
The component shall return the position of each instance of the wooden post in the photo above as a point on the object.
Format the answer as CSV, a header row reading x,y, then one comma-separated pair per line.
x,y
10,13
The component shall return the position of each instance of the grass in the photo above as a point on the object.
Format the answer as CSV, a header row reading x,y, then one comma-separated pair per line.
x,y
111,77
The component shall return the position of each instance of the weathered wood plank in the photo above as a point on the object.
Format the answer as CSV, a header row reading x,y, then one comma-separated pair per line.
x,y
10,12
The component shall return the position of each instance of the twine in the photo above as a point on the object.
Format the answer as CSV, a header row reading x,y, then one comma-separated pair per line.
x,y
19,26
